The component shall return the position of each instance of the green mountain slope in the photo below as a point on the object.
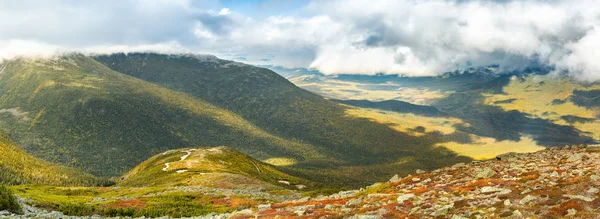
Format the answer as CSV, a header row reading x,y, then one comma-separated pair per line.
x,y
18,167
219,167
73,110
276,105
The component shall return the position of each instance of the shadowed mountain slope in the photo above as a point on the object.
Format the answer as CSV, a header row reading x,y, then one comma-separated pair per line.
x,y
75,111
279,107
18,167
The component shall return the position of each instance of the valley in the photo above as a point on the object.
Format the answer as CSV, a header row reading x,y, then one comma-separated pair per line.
x,y
147,134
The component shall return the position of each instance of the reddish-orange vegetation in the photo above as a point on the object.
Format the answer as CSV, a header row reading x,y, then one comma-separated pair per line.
x,y
563,208
237,203
133,203
220,201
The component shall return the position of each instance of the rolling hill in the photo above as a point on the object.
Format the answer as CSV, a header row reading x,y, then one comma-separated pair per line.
x,y
18,167
218,167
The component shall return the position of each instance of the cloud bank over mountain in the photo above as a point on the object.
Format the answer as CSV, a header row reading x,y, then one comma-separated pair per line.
x,y
339,36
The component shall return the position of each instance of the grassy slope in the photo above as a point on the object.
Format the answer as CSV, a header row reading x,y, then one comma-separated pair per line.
x,y
18,167
220,167
276,105
75,111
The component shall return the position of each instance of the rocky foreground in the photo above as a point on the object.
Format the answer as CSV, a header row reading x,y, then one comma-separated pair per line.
x,y
553,183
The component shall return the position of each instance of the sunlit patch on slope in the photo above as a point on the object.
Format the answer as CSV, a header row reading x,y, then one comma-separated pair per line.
x,y
345,90
486,148
408,123
548,97
281,161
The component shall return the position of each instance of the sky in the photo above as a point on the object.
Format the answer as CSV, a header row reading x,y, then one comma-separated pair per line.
x,y
407,37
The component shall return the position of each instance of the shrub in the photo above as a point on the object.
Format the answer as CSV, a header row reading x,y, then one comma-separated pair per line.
x,y
8,200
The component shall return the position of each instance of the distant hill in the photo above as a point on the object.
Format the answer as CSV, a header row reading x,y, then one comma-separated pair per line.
x,y
75,111
218,167
18,167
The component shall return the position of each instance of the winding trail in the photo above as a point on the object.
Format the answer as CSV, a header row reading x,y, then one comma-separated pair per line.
x,y
188,153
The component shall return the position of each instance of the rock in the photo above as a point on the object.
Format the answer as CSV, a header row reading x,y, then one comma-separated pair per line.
x,y
575,157
242,212
507,202
300,187
5,213
382,211
304,199
517,213
368,217
580,197
595,177
416,179
419,171
378,195
571,212
405,197
527,199
592,190
353,202
454,216
300,212
458,165
484,173
264,207
527,190
509,157
395,178
554,174
490,189
444,210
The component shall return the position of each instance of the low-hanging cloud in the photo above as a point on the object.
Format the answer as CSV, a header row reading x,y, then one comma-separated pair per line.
x,y
408,37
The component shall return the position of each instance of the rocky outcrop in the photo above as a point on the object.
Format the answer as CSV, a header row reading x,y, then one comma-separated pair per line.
x,y
553,183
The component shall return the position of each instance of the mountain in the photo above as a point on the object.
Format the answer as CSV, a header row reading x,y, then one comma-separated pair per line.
x,y
277,106
76,111
18,167
218,167
291,72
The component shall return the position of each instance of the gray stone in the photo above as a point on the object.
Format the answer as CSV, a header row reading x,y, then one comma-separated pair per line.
x,y
264,207
353,202
580,197
395,178
575,157
484,173
527,199
444,210
405,197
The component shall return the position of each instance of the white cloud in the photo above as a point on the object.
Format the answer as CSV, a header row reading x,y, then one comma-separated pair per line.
x,y
337,36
